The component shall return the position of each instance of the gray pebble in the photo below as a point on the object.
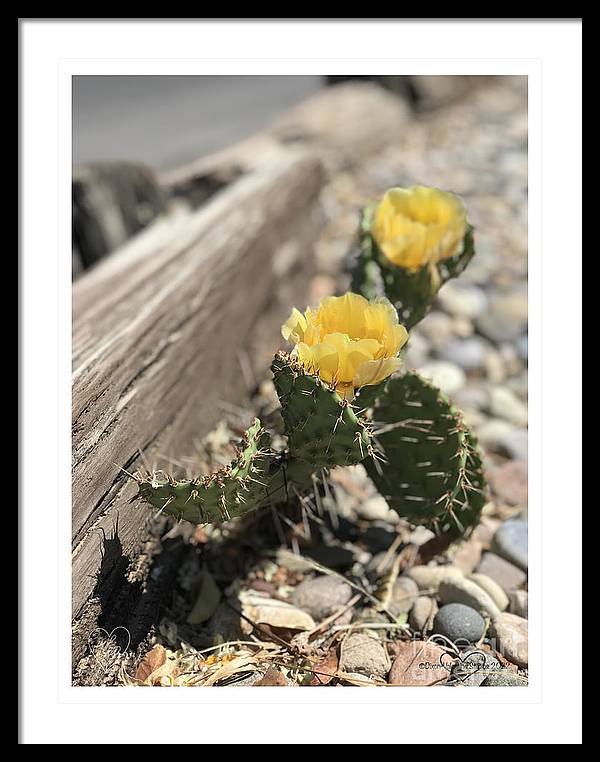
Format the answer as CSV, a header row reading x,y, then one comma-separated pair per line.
x,y
470,594
429,577
505,678
321,596
365,655
492,588
422,614
458,622
445,375
404,594
515,443
376,508
468,353
510,542
507,575
518,603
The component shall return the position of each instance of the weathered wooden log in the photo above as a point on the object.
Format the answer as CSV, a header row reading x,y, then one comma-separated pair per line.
x,y
111,202
159,328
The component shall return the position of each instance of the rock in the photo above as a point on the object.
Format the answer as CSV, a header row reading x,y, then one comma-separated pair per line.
x,y
515,444
445,375
473,667
337,123
469,354
467,556
377,568
422,614
485,531
378,538
459,623
420,535
507,575
474,396
364,654
437,327
492,588
505,404
495,367
332,556
509,482
404,594
505,319
321,596
429,577
263,610
418,663
511,633
375,508
463,300
510,542
493,433
470,594
523,347
417,351
518,603
225,624
504,678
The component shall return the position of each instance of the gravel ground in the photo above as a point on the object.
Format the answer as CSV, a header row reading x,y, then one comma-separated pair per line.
x,y
347,593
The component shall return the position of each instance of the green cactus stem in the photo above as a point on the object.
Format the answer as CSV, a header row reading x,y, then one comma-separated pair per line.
x,y
412,293
232,491
433,472
322,428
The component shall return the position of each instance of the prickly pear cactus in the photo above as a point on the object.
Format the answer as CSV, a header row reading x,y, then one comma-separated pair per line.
x,y
340,401
432,472
229,492
322,428
411,291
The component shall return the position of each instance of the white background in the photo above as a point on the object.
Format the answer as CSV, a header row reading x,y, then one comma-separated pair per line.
x,y
546,712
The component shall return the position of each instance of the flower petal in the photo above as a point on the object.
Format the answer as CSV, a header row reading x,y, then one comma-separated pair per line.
x,y
374,371
294,327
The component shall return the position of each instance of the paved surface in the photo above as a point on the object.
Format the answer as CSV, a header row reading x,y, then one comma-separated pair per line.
x,y
166,121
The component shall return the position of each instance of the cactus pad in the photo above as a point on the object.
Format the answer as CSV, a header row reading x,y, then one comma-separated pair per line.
x,y
433,473
322,428
412,293
231,491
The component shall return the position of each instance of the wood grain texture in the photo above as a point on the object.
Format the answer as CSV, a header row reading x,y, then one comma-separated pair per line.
x,y
157,335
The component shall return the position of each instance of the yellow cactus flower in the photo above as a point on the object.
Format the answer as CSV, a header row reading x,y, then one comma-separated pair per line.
x,y
347,341
419,226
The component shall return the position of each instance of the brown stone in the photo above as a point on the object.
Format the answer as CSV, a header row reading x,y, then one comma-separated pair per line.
x,y
509,482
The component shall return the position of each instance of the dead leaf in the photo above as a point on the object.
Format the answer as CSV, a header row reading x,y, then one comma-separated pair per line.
x,y
158,667
272,677
207,601
326,669
262,610
153,660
